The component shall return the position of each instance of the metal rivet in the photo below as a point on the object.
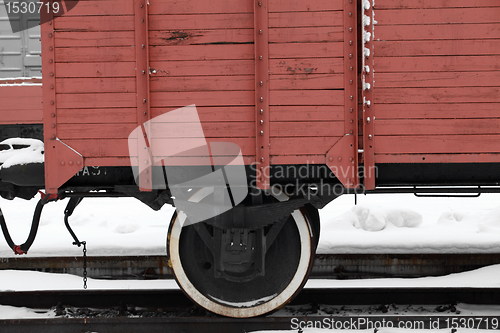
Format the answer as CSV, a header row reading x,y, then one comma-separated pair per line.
x,y
330,158
350,42
144,100
262,159
143,72
350,29
70,162
351,110
261,111
350,82
351,97
62,163
51,74
53,125
53,115
51,61
52,102
370,136
368,120
262,99
262,122
261,83
51,35
78,162
351,68
350,55
261,132
51,48
350,14
261,57
259,3
340,159
261,32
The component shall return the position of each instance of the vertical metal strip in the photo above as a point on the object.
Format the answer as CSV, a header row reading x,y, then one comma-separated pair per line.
x,y
49,97
143,92
261,24
351,89
368,115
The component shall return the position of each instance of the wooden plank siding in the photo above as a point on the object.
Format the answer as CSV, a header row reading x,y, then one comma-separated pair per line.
x,y
202,53
437,81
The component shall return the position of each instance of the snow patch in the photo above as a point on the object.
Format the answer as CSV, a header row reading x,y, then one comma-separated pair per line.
x,y
376,220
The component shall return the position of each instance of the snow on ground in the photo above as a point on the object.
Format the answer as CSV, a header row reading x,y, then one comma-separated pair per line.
x,y
398,223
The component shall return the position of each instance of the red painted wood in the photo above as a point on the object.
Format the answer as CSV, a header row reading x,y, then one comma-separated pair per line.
x,y
94,54
203,83
442,47
438,79
305,19
97,100
438,111
306,50
439,158
20,104
435,4
437,64
298,35
96,116
94,39
202,98
202,52
96,69
95,85
200,37
438,32
438,16
437,95
201,21
307,81
397,127
304,6
98,8
202,68
313,97
307,113
303,129
94,23
199,7
214,113
307,66
444,144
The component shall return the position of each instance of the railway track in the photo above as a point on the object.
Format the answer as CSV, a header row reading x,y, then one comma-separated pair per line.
x,y
327,266
170,311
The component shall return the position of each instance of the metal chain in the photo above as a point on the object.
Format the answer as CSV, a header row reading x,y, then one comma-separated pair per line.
x,y
84,265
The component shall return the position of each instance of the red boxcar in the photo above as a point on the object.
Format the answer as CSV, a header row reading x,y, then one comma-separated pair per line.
x,y
387,95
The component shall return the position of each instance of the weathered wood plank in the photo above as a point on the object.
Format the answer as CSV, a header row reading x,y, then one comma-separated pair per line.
x,y
441,47
96,116
199,7
305,19
95,54
437,64
94,39
202,83
213,113
438,79
444,111
97,100
200,37
97,8
202,52
307,66
95,69
307,97
210,98
437,95
201,21
437,126
438,16
304,6
306,81
306,50
437,158
307,129
94,23
203,67
302,146
432,144
306,35
95,85
392,4
307,113
439,31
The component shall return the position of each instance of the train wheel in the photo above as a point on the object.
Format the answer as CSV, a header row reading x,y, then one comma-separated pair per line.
x,y
238,292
